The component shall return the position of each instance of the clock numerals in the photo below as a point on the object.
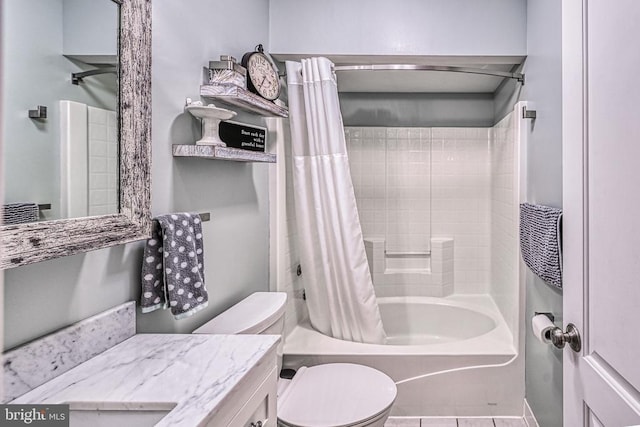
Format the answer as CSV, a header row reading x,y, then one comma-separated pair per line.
x,y
263,77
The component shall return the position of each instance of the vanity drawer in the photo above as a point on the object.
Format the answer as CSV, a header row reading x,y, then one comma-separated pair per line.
x,y
261,407
252,400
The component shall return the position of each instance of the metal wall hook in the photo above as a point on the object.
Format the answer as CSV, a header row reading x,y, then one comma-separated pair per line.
x,y
529,114
39,113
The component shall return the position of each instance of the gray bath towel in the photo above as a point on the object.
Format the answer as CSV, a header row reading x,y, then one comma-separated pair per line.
x,y
540,241
172,270
20,213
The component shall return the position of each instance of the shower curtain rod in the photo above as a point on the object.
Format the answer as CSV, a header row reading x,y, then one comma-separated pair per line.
x,y
415,67
76,78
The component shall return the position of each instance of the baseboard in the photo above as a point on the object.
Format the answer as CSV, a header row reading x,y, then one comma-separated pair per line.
x,y
529,418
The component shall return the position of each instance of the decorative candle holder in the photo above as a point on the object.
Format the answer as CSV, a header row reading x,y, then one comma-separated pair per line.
x,y
211,117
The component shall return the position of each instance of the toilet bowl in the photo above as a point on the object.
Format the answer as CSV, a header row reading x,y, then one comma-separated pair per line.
x,y
330,395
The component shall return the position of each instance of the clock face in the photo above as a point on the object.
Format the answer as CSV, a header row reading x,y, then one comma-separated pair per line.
x,y
263,77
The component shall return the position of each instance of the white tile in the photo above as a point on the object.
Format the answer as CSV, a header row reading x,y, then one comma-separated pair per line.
x,y
97,148
99,197
414,132
112,134
97,115
112,166
402,422
509,422
439,422
98,181
98,165
112,198
98,210
97,131
475,422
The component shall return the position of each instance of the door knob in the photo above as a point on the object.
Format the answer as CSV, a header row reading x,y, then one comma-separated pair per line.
x,y
571,337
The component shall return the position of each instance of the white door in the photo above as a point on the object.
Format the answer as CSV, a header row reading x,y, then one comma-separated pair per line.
x,y
601,163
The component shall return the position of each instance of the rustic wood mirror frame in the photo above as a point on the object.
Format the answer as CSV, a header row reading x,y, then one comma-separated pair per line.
x,y
38,241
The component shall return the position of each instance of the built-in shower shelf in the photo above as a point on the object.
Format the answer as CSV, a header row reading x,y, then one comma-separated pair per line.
x,y
222,153
243,99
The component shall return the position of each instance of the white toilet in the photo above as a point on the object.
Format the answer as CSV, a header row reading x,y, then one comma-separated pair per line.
x,y
331,395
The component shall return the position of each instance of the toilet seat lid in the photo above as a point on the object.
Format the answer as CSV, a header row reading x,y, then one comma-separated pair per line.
x,y
335,394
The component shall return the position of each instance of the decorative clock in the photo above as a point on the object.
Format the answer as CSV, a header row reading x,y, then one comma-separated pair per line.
x,y
262,74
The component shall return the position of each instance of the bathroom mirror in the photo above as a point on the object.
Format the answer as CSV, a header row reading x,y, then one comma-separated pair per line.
x,y
89,195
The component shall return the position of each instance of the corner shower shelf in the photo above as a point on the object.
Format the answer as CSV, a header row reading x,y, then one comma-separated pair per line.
x,y
222,153
243,99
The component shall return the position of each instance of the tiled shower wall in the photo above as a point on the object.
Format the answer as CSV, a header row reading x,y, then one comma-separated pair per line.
x,y
505,253
460,202
103,161
415,183
391,173
470,176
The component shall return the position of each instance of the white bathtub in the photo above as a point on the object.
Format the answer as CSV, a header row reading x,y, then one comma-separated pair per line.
x,y
452,345
426,321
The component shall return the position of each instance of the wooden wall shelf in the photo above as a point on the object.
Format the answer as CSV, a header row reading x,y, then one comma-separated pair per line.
x,y
222,153
243,99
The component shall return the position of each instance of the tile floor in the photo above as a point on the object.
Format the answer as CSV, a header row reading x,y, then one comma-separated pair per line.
x,y
455,422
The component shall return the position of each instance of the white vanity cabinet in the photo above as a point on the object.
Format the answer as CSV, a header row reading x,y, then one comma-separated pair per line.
x,y
260,407
254,402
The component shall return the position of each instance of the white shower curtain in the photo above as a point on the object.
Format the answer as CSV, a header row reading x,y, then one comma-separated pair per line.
x,y
338,285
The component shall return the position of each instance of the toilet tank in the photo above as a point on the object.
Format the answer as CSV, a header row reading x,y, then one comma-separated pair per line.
x,y
259,313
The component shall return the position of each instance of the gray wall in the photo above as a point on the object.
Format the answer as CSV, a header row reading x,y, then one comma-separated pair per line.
x,y
36,73
404,27
90,27
543,69
417,109
46,296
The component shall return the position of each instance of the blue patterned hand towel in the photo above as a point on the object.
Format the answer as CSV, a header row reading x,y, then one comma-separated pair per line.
x,y
172,269
20,213
541,241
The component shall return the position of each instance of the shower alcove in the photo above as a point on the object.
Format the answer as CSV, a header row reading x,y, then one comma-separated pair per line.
x,y
436,160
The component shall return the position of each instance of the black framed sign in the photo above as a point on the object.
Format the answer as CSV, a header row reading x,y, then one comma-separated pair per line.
x,y
243,136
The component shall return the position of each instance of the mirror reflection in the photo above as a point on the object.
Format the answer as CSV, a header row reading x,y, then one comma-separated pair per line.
x,y
59,106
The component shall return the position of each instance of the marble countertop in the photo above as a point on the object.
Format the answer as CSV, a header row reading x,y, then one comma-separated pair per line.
x,y
193,374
